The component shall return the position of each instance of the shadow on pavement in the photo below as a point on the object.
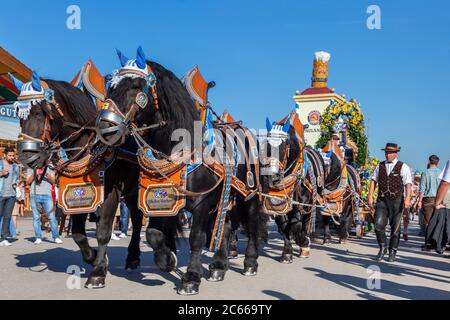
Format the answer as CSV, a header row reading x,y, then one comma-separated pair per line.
x,y
276,294
59,259
387,287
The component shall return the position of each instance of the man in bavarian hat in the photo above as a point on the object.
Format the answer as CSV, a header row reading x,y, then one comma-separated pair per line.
x,y
394,195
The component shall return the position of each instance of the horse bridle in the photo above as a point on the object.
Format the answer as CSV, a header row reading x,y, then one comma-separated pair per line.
x,y
274,161
122,124
45,142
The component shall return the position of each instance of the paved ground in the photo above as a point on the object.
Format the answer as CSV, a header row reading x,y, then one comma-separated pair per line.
x,y
333,272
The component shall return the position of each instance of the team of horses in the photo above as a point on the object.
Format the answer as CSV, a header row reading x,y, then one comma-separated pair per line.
x,y
145,104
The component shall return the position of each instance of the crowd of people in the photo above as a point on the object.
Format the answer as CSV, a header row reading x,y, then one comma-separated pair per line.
x,y
401,196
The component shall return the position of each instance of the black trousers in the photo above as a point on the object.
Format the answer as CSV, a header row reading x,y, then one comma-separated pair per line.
x,y
388,210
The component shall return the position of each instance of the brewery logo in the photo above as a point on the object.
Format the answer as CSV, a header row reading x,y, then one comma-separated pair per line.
x,y
79,192
161,193
314,117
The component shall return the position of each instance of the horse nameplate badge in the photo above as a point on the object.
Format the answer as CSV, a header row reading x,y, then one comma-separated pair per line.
x,y
81,194
276,204
158,196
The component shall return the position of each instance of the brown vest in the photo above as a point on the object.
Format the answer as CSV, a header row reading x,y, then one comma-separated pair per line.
x,y
390,186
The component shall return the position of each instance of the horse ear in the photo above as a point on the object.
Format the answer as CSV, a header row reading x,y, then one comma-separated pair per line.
x,y
287,125
36,81
17,82
268,124
140,58
122,58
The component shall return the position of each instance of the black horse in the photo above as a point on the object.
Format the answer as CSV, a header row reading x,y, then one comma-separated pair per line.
x,y
334,182
284,151
47,126
170,105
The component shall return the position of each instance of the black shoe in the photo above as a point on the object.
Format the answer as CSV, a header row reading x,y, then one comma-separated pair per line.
x,y
381,253
392,254
405,237
426,248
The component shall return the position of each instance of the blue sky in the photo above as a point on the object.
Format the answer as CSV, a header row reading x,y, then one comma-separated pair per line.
x,y
260,52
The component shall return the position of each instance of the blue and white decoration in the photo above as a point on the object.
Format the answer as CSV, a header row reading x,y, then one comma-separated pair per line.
x,y
133,68
340,125
276,133
31,93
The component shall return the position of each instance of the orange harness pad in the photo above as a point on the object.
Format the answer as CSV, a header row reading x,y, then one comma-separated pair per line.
x,y
278,199
158,196
279,205
93,81
334,199
81,194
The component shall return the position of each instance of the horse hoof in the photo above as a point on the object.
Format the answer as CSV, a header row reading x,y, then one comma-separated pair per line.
x,y
233,254
132,265
287,258
95,283
216,275
250,271
188,289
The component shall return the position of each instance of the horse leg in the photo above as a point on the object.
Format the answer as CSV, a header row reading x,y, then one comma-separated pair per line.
x,y
304,241
220,263
190,281
233,244
233,239
255,233
283,228
160,234
327,235
134,250
346,223
80,238
97,276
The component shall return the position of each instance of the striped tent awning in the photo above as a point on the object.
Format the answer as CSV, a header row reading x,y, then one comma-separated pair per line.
x,y
9,63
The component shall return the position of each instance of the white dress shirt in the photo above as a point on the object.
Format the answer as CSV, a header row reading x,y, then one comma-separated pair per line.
x,y
405,172
445,174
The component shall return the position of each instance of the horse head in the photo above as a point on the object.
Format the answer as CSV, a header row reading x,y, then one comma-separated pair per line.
x,y
43,107
132,99
149,102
